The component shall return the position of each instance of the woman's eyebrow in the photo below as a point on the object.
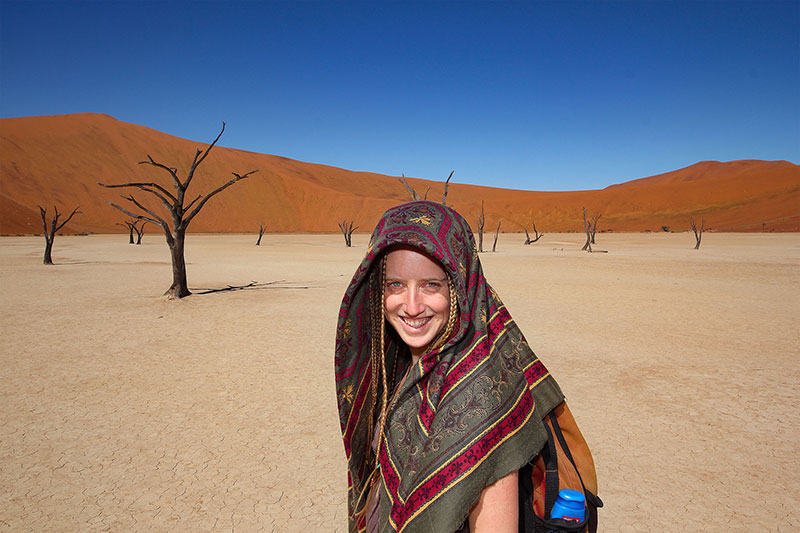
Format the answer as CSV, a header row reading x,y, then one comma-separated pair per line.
x,y
398,278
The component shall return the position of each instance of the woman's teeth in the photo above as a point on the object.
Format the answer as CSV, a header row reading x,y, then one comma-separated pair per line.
x,y
416,323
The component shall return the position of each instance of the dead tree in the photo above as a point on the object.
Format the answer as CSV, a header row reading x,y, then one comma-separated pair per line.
x,y
496,233
128,225
481,224
595,218
536,234
698,234
347,231
587,227
261,230
414,196
139,231
133,227
50,232
446,185
181,215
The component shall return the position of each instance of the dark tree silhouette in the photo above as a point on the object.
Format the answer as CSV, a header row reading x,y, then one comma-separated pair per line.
x,y
181,215
698,234
347,231
415,196
128,225
595,218
139,231
261,230
133,227
587,227
536,234
496,233
481,224
446,186
50,231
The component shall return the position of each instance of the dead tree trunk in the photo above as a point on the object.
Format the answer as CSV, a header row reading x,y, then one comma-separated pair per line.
x,y
536,234
595,218
446,185
50,232
261,230
698,234
181,215
347,231
139,232
587,227
414,196
496,233
130,227
481,223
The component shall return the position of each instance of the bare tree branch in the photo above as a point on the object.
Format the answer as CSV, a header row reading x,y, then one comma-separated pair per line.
x,y
74,212
410,189
216,191
142,186
496,233
446,185
536,234
587,229
698,235
192,203
347,231
196,162
481,223
139,217
172,171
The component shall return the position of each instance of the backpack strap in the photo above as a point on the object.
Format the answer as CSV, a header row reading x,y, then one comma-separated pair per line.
x,y
550,457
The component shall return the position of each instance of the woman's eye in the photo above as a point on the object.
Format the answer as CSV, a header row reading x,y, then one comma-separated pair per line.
x,y
394,285
433,285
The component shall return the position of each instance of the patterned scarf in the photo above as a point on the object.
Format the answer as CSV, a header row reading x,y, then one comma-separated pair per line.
x,y
469,413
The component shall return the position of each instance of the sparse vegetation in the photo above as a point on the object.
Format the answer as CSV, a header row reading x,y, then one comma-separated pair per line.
x,y
698,234
51,230
536,234
347,230
181,215
481,223
261,230
590,227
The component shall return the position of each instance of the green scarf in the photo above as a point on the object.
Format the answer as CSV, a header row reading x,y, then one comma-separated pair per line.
x,y
469,413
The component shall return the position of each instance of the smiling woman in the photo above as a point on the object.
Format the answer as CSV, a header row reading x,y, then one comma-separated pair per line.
x,y
416,297
441,401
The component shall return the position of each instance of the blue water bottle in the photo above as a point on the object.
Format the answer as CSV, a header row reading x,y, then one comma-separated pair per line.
x,y
570,505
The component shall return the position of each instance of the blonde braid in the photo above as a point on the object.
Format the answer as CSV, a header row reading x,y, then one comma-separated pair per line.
x,y
376,296
385,396
451,319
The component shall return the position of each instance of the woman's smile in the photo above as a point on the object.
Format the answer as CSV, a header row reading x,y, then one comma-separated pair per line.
x,y
416,298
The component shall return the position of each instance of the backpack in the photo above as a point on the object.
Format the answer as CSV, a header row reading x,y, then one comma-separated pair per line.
x,y
564,463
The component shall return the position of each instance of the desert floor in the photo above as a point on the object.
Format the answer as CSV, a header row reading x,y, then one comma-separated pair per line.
x,y
122,410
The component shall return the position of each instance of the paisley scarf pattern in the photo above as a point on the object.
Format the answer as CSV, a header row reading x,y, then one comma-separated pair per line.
x,y
469,412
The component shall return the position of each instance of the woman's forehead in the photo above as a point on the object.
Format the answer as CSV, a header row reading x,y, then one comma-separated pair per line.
x,y
412,263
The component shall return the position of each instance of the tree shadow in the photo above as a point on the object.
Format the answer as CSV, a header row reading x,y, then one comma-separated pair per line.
x,y
252,286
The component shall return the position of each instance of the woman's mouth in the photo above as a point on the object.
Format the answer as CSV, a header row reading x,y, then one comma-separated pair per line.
x,y
415,323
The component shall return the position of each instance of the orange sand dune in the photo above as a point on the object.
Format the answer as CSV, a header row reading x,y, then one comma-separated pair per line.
x,y
59,160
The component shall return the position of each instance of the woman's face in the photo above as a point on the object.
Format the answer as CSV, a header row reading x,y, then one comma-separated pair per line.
x,y
416,298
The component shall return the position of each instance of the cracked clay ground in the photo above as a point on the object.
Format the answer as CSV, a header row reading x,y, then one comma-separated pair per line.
x,y
122,411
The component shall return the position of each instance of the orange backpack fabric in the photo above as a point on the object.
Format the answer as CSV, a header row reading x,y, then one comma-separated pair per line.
x,y
571,468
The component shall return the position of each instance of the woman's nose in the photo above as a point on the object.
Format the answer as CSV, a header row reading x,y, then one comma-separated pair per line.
x,y
414,303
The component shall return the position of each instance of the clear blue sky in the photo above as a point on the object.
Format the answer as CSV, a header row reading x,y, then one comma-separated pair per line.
x,y
530,95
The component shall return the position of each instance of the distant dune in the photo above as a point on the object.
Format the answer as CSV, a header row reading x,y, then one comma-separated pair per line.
x,y
59,160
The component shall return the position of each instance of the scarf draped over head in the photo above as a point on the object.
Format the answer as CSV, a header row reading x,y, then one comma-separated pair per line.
x,y
470,411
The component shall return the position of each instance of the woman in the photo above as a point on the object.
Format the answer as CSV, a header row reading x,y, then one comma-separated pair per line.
x,y
442,407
